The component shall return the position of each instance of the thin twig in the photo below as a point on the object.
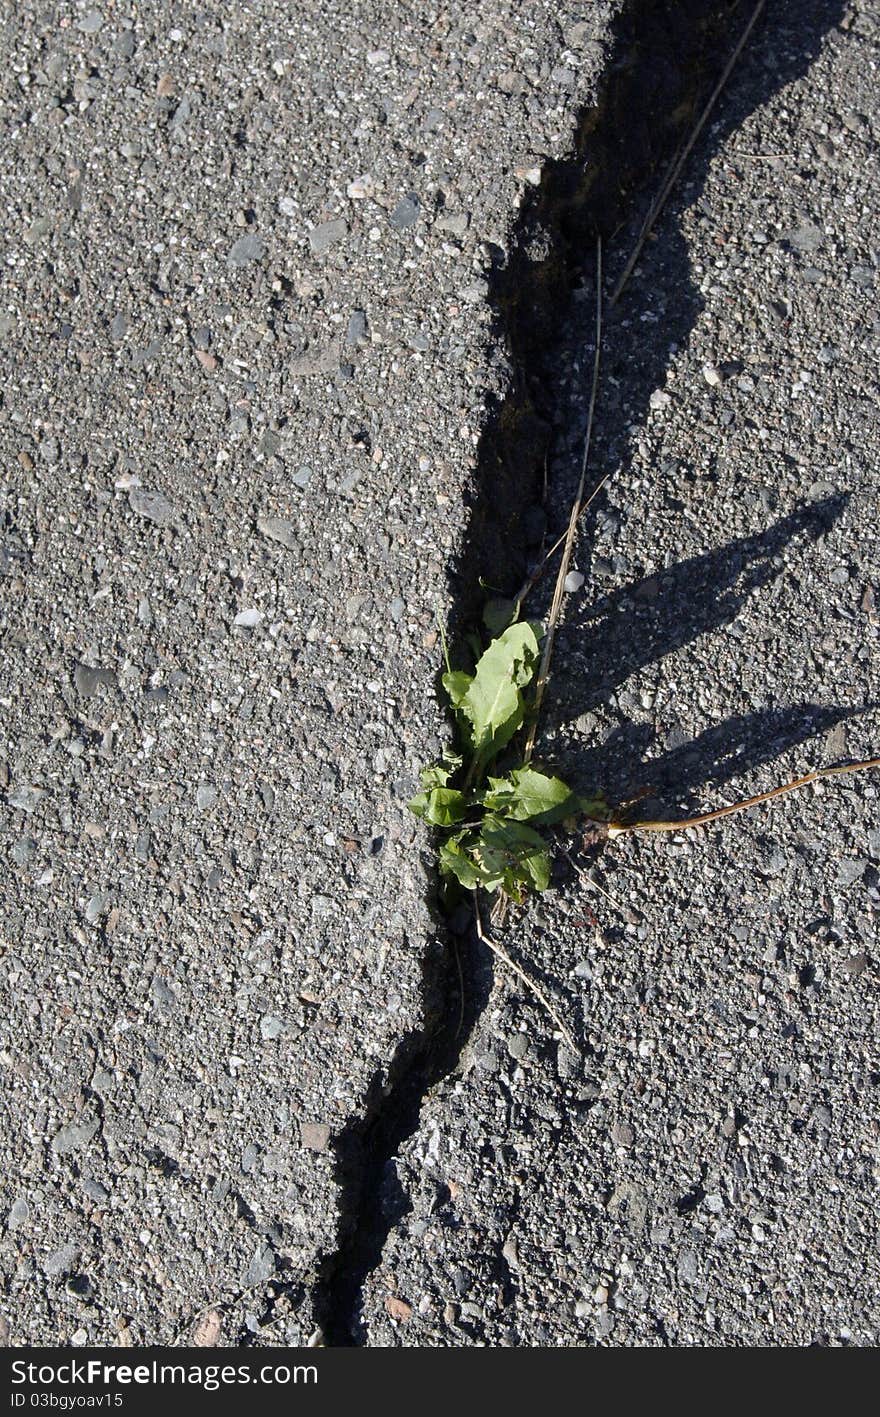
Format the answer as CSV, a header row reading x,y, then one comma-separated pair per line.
x,y
499,911
588,879
564,564
526,979
682,155
621,829
541,567
457,953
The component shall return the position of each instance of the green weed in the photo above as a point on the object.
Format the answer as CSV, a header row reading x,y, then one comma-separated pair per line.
x,y
490,805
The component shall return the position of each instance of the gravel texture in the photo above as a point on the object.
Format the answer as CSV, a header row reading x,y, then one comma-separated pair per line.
x,y
706,1173
250,353
246,359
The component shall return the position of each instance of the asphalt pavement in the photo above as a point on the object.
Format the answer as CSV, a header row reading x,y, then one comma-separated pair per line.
x,y
297,308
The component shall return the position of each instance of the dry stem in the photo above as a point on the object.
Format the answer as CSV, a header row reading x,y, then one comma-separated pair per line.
x,y
564,564
682,155
526,979
622,829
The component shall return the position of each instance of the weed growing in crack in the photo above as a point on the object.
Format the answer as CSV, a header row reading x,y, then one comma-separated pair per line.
x,y
490,823
489,803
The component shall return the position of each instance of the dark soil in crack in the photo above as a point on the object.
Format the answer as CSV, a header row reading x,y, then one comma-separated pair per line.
x,y
665,58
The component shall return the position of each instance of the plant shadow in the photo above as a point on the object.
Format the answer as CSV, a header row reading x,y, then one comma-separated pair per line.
x,y
636,625
663,58
673,781
546,303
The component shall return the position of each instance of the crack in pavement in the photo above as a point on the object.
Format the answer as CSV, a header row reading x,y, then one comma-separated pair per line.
x,y
664,60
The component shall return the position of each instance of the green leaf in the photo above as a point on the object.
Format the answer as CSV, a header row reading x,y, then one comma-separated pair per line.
x,y
456,683
456,861
493,703
595,807
500,797
537,863
498,614
440,773
502,855
510,854
539,798
445,807
527,795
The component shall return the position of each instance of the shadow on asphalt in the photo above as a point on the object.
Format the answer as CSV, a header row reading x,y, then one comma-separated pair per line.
x,y
673,781
643,113
665,57
638,624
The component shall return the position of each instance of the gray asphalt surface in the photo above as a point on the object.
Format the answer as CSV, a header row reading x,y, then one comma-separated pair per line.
x,y
707,1174
246,359
251,350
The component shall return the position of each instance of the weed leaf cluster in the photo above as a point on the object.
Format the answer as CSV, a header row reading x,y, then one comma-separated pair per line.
x,y
487,804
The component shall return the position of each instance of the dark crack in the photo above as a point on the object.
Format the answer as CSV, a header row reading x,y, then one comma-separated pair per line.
x,y
664,59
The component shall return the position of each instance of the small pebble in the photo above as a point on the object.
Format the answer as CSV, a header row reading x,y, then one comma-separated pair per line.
x,y
208,1330
261,1267
322,237
96,907
61,1261
406,213
850,870
25,797
95,1191
356,331
206,796
19,1213
360,187
246,249
152,505
88,679
315,1135
855,965
804,237
280,530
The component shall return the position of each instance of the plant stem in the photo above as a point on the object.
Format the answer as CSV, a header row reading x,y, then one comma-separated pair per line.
x,y
623,829
682,155
564,564
526,979
539,570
